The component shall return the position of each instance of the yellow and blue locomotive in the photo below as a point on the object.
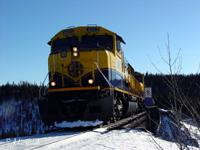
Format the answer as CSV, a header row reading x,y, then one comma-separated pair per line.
x,y
89,77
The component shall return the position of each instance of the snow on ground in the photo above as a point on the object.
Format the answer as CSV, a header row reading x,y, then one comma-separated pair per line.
x,y
194,129
170,130
78,123
31,142
116,139
124,139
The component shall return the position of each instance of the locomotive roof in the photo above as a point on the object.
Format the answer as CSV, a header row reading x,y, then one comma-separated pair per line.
x,y
82,30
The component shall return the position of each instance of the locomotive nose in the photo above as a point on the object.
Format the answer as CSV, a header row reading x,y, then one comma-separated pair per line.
x,y
75,69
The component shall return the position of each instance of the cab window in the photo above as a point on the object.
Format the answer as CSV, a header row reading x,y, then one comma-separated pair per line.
x,y
64,44
118,43
96,42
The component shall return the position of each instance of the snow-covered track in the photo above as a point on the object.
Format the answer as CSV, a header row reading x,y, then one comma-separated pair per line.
x,y
132,121
70,129
67,135
68,139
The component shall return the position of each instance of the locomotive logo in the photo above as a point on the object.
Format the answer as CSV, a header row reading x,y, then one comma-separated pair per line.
x,y
75,69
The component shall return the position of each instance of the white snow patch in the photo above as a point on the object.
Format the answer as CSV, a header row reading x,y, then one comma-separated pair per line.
x,y
34,141
193,128
79,123
164,110
116,139
170,130
99,139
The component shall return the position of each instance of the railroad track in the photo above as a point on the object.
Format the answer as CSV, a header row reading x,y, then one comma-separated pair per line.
x,y
58,136
132,121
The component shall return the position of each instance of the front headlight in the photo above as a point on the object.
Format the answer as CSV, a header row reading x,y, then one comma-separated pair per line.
x,y
75,54
90,81
53,83
75,49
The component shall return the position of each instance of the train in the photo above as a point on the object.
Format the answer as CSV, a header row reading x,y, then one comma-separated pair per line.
x,y
89,77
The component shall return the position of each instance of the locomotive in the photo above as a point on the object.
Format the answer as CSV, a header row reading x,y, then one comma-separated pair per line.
x,y
89,78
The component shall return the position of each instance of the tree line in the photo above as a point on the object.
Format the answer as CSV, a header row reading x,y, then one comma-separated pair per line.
x,y
187,87
23,90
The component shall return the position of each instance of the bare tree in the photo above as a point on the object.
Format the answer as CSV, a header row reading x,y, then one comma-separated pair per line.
x,y
178,99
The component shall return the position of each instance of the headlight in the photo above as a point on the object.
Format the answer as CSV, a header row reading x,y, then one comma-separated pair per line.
x,y
53,83
75,54
75,49
90,81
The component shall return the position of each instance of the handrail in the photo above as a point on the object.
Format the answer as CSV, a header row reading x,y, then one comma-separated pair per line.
x,y
40,90
109,83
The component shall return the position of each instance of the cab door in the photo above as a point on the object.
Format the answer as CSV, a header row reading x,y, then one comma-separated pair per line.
x,y
119,64
119,56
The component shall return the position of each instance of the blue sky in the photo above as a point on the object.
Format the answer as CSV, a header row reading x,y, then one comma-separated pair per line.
x,y
27,25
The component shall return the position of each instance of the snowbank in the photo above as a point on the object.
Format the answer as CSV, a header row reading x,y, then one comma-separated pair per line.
x,y
125,139
99,139
19,118
169,129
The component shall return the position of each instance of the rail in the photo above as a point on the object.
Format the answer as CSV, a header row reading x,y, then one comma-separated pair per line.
x,y
134,120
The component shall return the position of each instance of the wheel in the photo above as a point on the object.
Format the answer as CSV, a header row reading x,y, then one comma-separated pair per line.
x,y
118,109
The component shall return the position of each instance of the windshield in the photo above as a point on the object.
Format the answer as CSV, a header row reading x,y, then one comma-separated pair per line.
x,y
97,42
64,44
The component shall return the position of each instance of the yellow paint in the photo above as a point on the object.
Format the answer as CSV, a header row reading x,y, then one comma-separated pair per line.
x,y
110,59
74,89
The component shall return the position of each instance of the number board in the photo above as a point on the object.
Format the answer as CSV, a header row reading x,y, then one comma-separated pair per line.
x,y
147,92
92,29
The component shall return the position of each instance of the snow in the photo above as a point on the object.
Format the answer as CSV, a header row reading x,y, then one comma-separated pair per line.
x,y
193,129
20,117
169,129
31,142
98,139
79,123
116,139
125,139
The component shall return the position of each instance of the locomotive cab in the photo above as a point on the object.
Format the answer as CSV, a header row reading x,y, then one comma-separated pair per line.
x,y
77,53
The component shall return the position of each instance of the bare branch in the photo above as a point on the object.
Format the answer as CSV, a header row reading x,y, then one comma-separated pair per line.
x,y
178,99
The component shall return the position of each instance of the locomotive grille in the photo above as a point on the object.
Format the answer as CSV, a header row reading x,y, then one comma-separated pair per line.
x,y
75,69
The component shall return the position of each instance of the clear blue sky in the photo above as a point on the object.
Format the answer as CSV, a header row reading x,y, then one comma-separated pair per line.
x,y
27,25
